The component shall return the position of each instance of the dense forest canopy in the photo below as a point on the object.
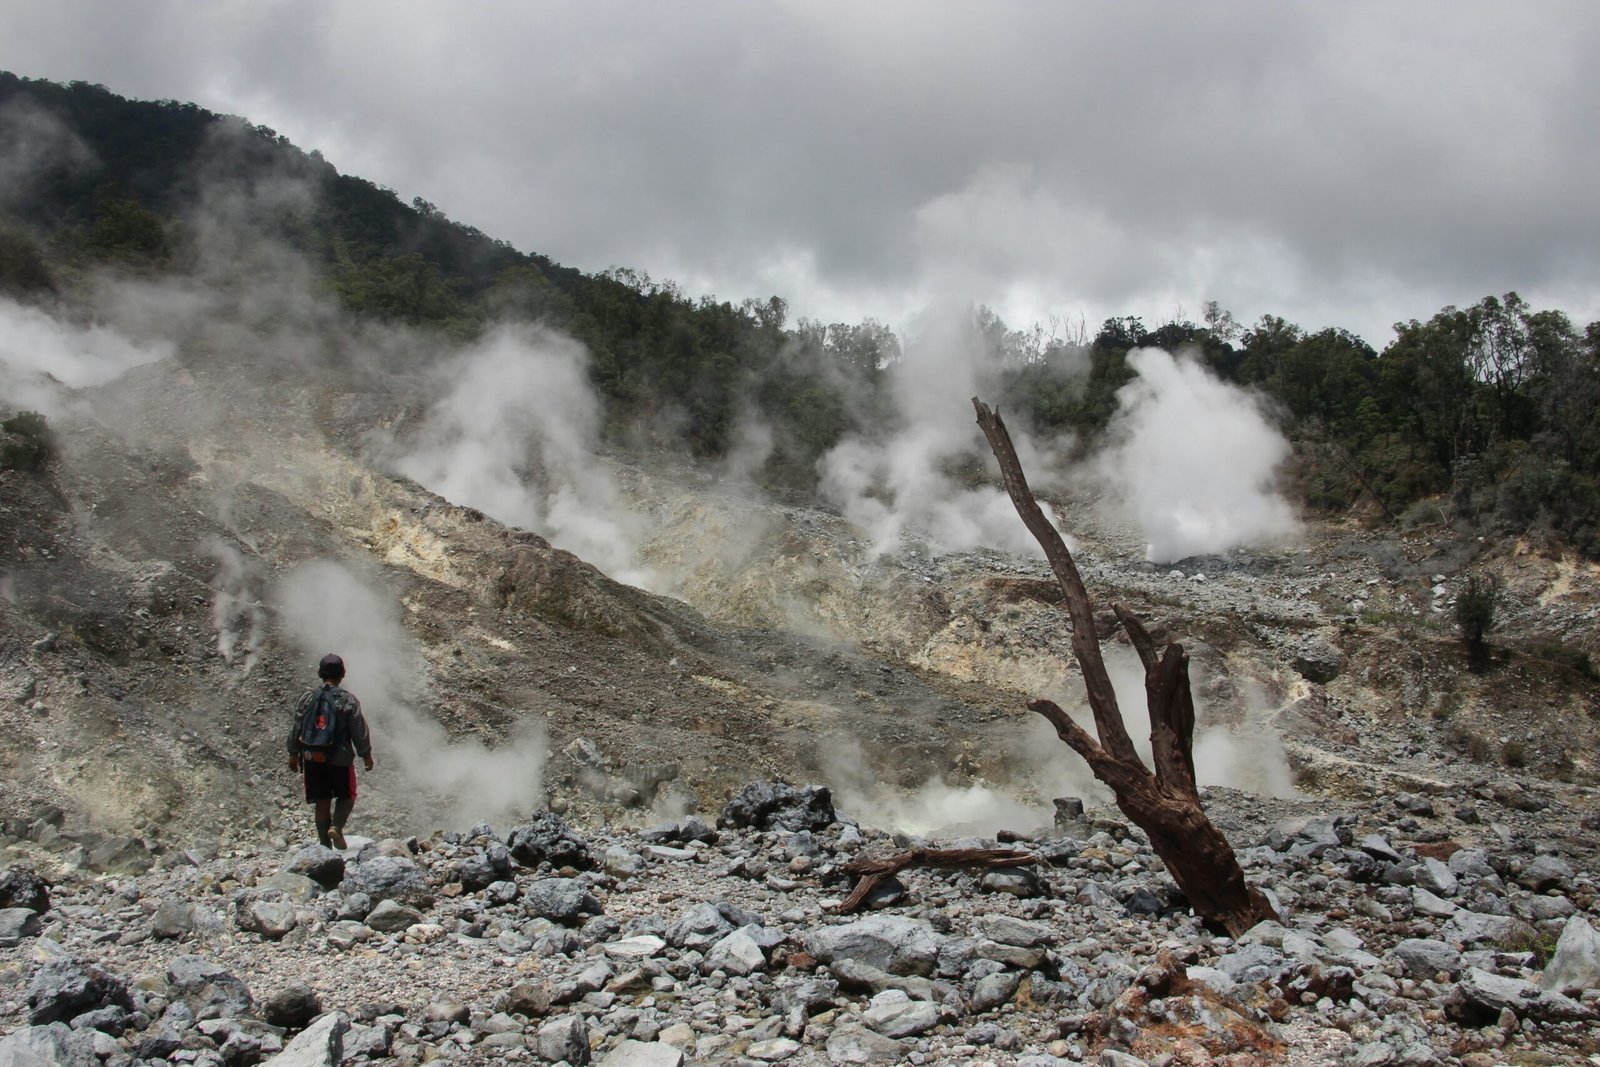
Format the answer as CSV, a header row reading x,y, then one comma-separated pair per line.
x,y
1489,413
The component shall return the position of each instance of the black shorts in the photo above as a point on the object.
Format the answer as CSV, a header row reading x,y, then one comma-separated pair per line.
x,y
329,781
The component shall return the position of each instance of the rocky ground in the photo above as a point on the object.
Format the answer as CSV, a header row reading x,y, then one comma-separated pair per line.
x,y
148,647
1419,930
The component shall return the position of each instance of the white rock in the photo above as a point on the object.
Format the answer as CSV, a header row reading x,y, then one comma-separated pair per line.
x,y
1576,963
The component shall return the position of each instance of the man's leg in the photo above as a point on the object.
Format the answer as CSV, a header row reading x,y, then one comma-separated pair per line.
x,y
342,807
344,802
324,821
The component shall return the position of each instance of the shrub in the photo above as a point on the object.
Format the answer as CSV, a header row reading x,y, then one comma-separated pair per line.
x,y
1475,616
27,444
1560,654
1474,744
1515,754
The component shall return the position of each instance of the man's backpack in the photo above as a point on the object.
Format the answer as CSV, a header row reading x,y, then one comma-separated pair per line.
x,y
319,725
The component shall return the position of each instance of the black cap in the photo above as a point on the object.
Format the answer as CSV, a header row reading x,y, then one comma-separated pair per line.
x,y
330,667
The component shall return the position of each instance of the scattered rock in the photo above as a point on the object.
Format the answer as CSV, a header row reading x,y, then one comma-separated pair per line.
x,y
775,806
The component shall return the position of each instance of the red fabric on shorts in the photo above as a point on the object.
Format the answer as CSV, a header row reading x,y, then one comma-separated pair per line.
x,y
329,781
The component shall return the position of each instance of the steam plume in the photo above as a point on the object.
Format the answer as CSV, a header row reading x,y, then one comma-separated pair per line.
x,y
235,611
1041,767
1196,462
515,436
326,608
905,484
42,358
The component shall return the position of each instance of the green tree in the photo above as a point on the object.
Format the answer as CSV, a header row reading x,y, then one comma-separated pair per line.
x,y
1476,607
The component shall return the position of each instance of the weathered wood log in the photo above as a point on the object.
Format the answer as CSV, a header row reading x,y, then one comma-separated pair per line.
x,y
873,871
1164,804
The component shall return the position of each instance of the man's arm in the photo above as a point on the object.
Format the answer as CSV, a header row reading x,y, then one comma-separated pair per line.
x,y
360,736
293,743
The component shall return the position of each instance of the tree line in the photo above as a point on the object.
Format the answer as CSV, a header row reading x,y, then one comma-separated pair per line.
x,y
1488,415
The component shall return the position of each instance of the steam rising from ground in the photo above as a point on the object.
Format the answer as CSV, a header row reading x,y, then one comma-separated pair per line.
x,y
907,484
1196,461
515,436
42,358
235,611
327,608
1248,757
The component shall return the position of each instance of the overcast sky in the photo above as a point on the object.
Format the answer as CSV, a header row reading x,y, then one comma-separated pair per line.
x,y
1340,164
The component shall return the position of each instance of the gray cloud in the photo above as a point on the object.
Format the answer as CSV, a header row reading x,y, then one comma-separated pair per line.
x,y
1346,164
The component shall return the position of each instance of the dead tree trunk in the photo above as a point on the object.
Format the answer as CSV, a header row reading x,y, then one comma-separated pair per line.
x,y
1165,804
874,871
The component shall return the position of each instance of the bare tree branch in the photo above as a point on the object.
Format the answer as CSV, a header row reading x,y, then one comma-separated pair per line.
x,y
1166,804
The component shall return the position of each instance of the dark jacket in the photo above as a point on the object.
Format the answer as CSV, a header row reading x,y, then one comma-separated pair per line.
x,y
352,738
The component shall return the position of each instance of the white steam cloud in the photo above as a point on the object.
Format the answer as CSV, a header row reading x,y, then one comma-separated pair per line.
x,y
235,610
515,437
1247,756
1196,461
326,608
42,358
908,484
33,143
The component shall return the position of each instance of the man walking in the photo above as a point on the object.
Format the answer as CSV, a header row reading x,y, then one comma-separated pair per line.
x,y
327,735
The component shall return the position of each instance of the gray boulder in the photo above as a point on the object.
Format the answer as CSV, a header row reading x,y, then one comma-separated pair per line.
x,y
1377,846
1013,881
291,886
1250,964
209,991
1546,873
391,916
888,942
16,924
1473,928
854,1044
564,1039
53,1045
993,990
176,918
705,924
776,806
562,900
271,919
1308,836
121,855
689,828
319,1045
63,989
643,1054
1575,966
1318,659
388,878
738,953
292,1007
485,868
1471,863
1423,958
1012,931
853,974
1437,877
546,839
322,865
1481,996
895,1015
20,887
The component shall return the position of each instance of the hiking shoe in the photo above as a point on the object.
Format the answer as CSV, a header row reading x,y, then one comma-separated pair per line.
x,y
336,836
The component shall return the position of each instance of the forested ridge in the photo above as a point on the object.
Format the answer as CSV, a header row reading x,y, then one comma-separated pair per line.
x,y
1486,416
